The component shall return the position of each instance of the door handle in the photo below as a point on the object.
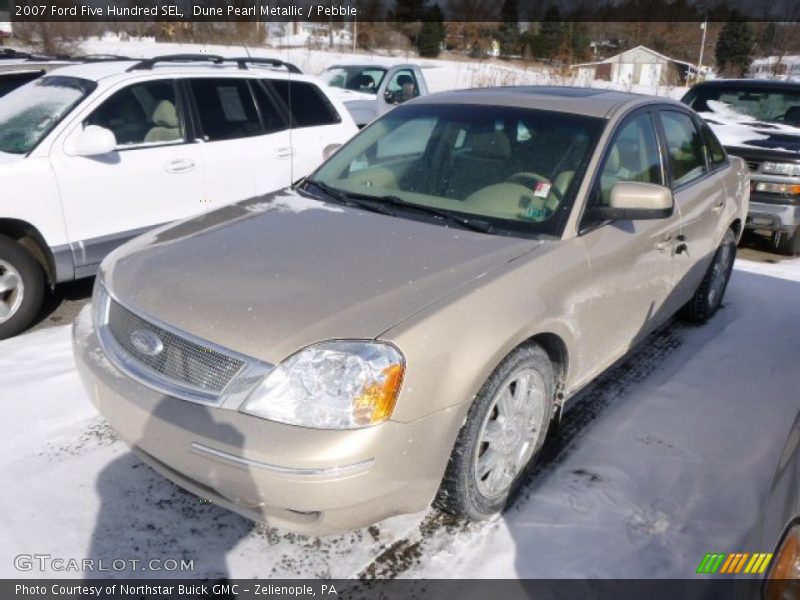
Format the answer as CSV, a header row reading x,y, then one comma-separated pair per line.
x,y
284,152
718,206
180,165
664,244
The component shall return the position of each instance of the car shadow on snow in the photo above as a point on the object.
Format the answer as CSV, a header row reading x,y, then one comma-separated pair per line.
x,y
144,516
671,453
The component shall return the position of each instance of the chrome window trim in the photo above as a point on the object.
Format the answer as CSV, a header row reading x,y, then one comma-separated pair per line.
x,y
234,393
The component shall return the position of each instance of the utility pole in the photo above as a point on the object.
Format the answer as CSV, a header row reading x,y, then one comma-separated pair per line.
x,y
704,27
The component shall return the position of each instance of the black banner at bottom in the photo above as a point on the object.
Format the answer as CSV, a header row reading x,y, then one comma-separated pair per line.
x,y
396,589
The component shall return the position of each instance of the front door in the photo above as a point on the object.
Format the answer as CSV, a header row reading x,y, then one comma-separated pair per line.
x,y
154,176
632,267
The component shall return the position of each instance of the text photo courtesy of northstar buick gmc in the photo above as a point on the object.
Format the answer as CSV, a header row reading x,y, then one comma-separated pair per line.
x,y
402,327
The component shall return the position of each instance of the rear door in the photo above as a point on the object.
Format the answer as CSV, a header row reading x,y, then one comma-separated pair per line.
x,y
699,196
245,145
315,123
631,260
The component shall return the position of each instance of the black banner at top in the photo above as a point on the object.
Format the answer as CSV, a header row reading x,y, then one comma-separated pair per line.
x,y
389,10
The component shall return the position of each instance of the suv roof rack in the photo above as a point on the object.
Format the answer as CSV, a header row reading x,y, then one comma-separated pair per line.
x,y
89,58
241,61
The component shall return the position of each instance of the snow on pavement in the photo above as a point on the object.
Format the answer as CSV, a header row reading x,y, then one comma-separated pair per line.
x,y
664,458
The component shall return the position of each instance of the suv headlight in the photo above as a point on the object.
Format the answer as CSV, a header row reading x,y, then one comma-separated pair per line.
x,y
331,385
776,168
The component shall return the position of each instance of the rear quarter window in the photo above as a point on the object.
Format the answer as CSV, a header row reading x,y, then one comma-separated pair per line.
x,y
308,106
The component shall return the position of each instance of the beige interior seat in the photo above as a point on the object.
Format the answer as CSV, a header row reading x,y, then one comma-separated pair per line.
x,y
166,127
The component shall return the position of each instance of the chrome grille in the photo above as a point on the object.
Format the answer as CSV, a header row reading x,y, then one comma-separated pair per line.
x,y
182,361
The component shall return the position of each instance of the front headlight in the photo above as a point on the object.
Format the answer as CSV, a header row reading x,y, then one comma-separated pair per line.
x,y
331,385
788,169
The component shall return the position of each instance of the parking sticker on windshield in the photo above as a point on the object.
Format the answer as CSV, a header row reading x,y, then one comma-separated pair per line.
x,y
542,189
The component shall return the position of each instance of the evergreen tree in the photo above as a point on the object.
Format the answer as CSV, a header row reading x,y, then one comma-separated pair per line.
x,y
551,34
735,47
508,34
431,35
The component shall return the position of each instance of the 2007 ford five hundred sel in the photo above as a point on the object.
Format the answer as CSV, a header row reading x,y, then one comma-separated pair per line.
x,y
403,326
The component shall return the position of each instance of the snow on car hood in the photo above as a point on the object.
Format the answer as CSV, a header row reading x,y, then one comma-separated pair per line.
x,y
9,158
735,129
271,275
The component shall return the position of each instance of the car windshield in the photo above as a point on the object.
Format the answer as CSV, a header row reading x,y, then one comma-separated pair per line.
x,y
358,79
30,112
515,169
746,103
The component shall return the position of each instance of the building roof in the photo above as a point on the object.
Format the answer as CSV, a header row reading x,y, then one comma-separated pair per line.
x,y
611,59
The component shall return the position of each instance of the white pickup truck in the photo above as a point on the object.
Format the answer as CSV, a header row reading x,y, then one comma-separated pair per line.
x,y
370,90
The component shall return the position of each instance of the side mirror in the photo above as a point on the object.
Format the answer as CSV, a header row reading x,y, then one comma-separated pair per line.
x,y
389,97
94,141
633,201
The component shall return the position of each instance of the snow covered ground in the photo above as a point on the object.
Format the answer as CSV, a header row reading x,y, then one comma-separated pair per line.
x,y
441,74
665,458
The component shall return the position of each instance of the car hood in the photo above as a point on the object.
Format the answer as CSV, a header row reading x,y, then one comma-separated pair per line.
x,y
268,276
742,132
347,96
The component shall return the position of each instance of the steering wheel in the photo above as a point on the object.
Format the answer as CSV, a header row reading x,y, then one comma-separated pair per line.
x,y
527,178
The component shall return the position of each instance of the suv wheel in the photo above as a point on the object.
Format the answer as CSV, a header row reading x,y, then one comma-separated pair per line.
x,y
21,288
504,431
787,242
708,296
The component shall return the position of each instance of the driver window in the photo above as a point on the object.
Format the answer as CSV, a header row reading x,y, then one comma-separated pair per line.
x,y
145,113
633,156
403,86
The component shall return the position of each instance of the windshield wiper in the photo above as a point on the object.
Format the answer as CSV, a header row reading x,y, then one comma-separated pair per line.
x,y
379,204
351,199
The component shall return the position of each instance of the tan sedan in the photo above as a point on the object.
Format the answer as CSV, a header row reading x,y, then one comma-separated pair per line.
x,y
403,326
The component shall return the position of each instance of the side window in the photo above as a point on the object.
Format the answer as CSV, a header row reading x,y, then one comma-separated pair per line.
x,y
144,113
716,153
307,104
685,147
270,115
226,109
632,156
402,86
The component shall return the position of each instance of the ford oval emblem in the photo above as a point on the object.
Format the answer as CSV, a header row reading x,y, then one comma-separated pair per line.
x,y
147,343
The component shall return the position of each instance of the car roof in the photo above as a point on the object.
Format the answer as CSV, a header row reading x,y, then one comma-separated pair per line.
x,y
97,71
371,66
590,102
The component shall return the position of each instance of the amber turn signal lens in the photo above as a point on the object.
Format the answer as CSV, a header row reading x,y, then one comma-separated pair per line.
x,y
783,577
376,402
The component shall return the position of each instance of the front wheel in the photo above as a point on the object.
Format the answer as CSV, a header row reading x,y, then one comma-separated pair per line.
x,y
708,296
504,431
21,288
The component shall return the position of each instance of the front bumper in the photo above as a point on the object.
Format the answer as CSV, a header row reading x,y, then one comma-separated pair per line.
x,y
308,480
771,216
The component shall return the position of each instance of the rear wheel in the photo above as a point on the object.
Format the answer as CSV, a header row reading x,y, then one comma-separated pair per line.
x,y
708,296
788,242
21,288
504,431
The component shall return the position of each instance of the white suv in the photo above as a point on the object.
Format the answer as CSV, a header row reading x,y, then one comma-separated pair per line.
x,y
92,155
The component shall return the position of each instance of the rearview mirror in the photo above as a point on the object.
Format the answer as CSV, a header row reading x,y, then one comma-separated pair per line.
x,y
94,141
634,201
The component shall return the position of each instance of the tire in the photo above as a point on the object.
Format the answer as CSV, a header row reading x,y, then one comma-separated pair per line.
x,y
788,243
708,296
22,286
465,490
